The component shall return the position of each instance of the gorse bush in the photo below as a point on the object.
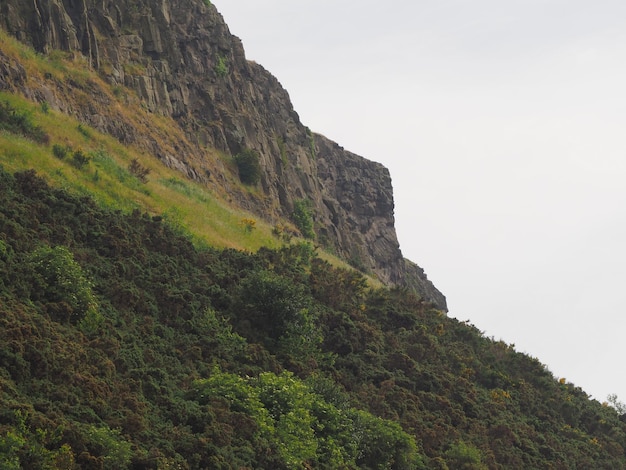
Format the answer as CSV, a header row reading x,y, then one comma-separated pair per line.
x,y
60,151
196,357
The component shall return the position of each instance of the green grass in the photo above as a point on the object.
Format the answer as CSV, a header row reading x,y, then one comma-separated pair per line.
x,y
106,178
186,204
204,213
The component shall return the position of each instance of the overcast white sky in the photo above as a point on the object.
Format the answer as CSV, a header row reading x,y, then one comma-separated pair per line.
x,y
503,123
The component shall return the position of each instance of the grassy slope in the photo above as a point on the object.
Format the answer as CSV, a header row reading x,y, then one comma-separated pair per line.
x,y
107,179
201,211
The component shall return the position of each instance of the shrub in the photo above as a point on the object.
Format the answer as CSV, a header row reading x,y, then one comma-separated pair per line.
x,y
249,167
59,281
108,443
59,151
384,444
140,171
464,456
79,159
248,224
23,447
221,67
270,304
302,217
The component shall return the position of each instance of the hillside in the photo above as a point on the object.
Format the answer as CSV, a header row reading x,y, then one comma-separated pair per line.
x,y
159,310
124,346
179,62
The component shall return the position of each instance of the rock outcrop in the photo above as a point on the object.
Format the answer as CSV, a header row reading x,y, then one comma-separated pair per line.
x,y
182,62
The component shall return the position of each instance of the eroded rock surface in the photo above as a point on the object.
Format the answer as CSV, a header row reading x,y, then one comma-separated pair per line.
x,y
181,60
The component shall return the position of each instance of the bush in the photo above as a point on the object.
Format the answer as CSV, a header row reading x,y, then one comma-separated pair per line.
x,y
114,450
221,67
59,151
269,304
140,171
79,159
464,456
302,217
58,280
249,167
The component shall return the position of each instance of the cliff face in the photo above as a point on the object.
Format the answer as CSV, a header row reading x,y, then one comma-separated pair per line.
x,y
182,62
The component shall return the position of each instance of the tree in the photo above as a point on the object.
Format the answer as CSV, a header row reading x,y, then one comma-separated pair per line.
x,y
464,456
268,305
58,280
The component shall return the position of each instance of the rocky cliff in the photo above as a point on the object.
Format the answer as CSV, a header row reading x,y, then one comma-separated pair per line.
x,y
180,61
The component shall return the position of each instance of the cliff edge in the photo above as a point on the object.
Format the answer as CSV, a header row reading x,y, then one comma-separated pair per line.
x,y
181,61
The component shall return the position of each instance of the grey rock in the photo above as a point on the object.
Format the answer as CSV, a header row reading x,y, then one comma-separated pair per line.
x,y
182,62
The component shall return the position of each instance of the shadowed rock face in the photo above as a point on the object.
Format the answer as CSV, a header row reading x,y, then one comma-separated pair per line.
x,y
181,60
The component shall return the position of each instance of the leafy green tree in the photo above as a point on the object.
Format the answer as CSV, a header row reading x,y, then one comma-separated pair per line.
x,y
22,447
268,304
289,402
58,280
464,456
108,443
614,401
384,445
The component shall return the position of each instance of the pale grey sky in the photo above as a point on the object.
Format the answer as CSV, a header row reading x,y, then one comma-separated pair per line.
x,y
503,125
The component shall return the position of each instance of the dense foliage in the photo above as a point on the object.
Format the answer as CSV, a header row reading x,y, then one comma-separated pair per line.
x,y
122,345
249,166
303,218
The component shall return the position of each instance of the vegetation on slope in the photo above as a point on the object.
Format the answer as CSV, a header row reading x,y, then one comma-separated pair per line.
x,y
117,177
128,339
187,357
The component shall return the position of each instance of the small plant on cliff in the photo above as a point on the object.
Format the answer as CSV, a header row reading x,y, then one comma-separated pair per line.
x,y
249,167
221,66
302,217
311,143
